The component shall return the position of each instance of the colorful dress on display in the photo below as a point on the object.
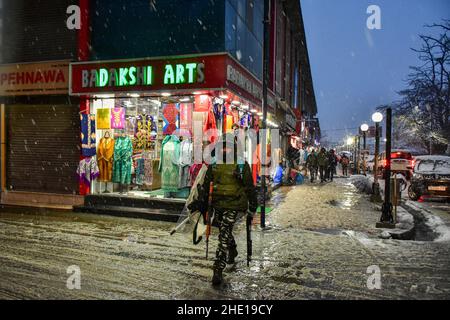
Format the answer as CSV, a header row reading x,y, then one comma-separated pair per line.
x,y
88,170
105,159
146,132
210,123
169,165
88,148
123,150
148,169
138,163
171,115
131,126
118,118
103,119
186,153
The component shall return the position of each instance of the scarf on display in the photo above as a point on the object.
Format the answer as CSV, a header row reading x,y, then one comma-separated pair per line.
x,y
171,117
88,137
88,170
186,116
103,119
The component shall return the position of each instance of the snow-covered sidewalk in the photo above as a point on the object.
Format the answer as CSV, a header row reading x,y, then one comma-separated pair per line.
x,y
327,206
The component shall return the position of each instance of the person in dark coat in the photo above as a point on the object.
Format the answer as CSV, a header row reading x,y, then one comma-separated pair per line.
x,y
332,163
322,160
311,164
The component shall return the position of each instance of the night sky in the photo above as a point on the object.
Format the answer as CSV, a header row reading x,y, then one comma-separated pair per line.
x,y
356,69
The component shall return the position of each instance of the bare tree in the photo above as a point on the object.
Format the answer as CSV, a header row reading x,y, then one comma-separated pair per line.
x,y
424,109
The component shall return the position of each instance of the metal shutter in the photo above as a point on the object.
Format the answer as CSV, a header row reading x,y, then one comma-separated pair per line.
x,y
42,148
36,31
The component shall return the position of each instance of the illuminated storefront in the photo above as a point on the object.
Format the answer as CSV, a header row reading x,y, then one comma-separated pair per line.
x,y
133,113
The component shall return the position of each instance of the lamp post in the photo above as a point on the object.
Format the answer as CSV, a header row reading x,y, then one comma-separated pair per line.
x,y
266,75
364,129
387,220
377,117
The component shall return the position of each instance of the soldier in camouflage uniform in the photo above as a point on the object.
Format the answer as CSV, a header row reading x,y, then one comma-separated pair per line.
x,y
233,193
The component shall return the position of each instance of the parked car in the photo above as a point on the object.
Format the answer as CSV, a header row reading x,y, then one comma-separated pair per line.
x,y
402,162
431,177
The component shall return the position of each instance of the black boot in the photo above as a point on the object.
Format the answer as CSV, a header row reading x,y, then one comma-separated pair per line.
x,y
232,253
217,277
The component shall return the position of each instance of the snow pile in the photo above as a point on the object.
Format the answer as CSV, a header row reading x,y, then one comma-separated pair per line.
x,y
405,220
438,226
362,183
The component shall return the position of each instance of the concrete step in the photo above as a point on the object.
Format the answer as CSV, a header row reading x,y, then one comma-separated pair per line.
x,y
131,212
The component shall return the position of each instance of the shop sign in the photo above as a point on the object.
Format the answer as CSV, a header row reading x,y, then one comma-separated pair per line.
x,y
34,78
148,75
142,76
244,82
291,120
246,85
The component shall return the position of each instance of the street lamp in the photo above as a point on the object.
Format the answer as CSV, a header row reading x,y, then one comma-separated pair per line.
x,y
364,129
377,117
387,220
349,141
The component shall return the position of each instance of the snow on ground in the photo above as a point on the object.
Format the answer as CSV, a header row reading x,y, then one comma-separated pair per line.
x,y
362,183
321,206
440,224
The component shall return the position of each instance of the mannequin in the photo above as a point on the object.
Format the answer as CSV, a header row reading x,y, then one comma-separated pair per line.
x,y
122,162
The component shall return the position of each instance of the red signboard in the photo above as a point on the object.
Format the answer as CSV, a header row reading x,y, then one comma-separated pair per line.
x,y
157,75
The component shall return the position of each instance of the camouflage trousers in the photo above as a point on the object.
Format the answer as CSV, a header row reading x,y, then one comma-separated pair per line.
x,y
227,220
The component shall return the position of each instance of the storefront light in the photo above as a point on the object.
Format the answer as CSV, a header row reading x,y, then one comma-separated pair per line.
x,y
196,93
223,96
260,113
134,95
166,94
235,102
185,99
253,111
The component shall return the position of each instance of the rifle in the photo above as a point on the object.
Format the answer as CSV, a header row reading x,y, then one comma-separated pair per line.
x,y
208,217
249,239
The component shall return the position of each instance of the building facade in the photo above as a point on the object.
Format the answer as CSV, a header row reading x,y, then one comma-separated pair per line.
x,y
158,65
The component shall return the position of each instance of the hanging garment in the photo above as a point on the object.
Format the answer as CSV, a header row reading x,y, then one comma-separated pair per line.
x,y
186,116
148,169
103,119
202,103
229,124
194,170
123,150
210,124
185,162
130,126
105,159
171,117
88,170
118,118
88,138
138,164
146,131
169,165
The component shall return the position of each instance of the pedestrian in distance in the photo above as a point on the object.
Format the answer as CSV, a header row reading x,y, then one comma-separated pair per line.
x,y
322,160
311,164
332,163
345,161
233,194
